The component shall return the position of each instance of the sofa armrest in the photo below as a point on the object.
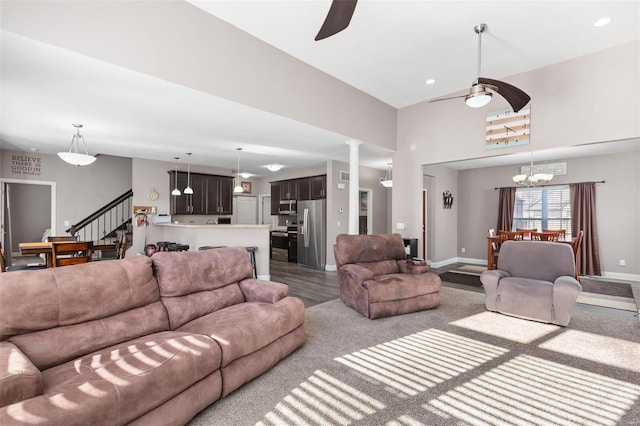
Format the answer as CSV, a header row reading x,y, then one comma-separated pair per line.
x,y
356,273
19,378
413,266
255,290
566,290
490,280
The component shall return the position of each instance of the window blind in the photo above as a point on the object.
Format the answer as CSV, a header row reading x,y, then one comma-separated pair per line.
x,y
543,208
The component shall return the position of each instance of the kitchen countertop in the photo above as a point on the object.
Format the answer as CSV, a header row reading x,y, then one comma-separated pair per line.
x,y
209,225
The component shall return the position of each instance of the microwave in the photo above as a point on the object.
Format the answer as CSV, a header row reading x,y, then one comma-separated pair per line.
x,y
287,207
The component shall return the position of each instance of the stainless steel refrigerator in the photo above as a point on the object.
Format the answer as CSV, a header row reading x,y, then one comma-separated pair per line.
x,y
312,233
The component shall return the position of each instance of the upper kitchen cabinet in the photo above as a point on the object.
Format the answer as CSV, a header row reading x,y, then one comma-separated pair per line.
x,y
275,198
219,195
288,190
212,195
304,189
318,187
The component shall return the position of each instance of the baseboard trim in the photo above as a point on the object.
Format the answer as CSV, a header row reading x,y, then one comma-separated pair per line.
x,y
264,277
621,276
467,260
330,268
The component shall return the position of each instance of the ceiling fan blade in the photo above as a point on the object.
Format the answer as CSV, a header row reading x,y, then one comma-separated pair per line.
x,y
337,19
516,97
446,99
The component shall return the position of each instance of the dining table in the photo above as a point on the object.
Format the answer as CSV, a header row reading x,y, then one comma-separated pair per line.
x,y
38,248
492,241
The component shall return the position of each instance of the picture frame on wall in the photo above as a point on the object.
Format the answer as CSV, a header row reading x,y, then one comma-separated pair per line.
x,y
246,187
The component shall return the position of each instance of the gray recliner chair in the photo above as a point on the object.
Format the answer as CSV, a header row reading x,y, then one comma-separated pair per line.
x,y
535,281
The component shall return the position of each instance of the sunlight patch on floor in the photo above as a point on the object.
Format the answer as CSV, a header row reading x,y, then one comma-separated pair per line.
x,y
603,349
412,364
506,327
322,400
531,391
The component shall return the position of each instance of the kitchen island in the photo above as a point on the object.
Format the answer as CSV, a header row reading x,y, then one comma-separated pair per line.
x,y
198,235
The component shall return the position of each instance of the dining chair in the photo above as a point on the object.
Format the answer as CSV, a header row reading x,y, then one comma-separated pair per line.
x,y
526,233
59,238
495,249
544,236
511,235
562,233
66,253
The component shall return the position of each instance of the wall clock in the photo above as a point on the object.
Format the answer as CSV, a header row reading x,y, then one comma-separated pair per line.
x,y
153,195
506,128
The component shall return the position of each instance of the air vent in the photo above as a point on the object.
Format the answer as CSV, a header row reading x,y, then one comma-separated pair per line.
x,y
344,176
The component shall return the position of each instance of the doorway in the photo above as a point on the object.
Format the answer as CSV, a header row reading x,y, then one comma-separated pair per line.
x,y
365,216
247,210
28,212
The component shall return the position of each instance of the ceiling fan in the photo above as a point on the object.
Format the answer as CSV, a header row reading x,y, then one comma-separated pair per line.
x,y
480,92
337,19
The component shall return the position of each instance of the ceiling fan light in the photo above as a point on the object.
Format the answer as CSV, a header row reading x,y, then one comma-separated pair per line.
x,y
478,99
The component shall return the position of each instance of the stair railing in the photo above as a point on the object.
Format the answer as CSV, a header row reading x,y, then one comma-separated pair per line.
x,y
104,222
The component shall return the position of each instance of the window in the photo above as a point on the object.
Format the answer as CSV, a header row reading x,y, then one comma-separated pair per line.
x,y
543,208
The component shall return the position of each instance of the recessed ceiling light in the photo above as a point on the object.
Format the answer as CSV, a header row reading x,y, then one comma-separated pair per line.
x,y
274,167
430,81
34,149
602,22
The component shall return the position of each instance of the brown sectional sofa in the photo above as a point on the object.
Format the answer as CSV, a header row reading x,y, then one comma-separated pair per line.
x,y
140,340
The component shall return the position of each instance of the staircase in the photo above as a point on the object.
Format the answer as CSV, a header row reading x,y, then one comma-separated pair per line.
x,y
106,226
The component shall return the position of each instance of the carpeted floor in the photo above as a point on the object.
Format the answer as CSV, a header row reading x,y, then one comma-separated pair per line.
x,y
457,364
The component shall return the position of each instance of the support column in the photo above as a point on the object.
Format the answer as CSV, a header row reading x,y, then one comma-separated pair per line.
x,y
354,186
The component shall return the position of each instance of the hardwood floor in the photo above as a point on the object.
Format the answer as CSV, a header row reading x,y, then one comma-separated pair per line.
x,y
313,286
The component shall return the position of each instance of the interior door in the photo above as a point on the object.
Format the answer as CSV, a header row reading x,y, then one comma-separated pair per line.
x,y
247,210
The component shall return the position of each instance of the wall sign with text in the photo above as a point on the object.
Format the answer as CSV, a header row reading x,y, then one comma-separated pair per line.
x,y
507,128
26,165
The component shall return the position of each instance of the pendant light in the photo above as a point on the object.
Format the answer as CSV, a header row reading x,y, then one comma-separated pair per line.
x,y
188,189
387,182
238,187
73,156
176,191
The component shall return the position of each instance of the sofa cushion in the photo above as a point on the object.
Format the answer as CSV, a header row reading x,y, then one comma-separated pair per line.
x,y
97,304
245,328
196,283
401,286
122,382
368,248
525,298
381,267
19,378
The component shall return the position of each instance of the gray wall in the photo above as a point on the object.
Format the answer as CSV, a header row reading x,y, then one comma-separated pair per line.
x,y
30,212
79,190
618,210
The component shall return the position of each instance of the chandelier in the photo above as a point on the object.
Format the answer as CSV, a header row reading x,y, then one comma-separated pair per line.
x,y
532,179
73,156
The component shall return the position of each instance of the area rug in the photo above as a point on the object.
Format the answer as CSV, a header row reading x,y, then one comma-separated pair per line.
x,y
456,364
589,285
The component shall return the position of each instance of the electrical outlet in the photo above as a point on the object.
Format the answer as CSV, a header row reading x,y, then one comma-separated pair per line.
x,y
464,250
400,225
622,262
67,223
338,225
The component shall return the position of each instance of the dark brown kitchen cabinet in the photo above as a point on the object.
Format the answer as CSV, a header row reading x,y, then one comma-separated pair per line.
x,y
219,195
275,198
289,190
304,189
212,195
318,187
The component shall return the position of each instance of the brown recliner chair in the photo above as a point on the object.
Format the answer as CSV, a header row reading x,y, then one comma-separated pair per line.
x,y
378,281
